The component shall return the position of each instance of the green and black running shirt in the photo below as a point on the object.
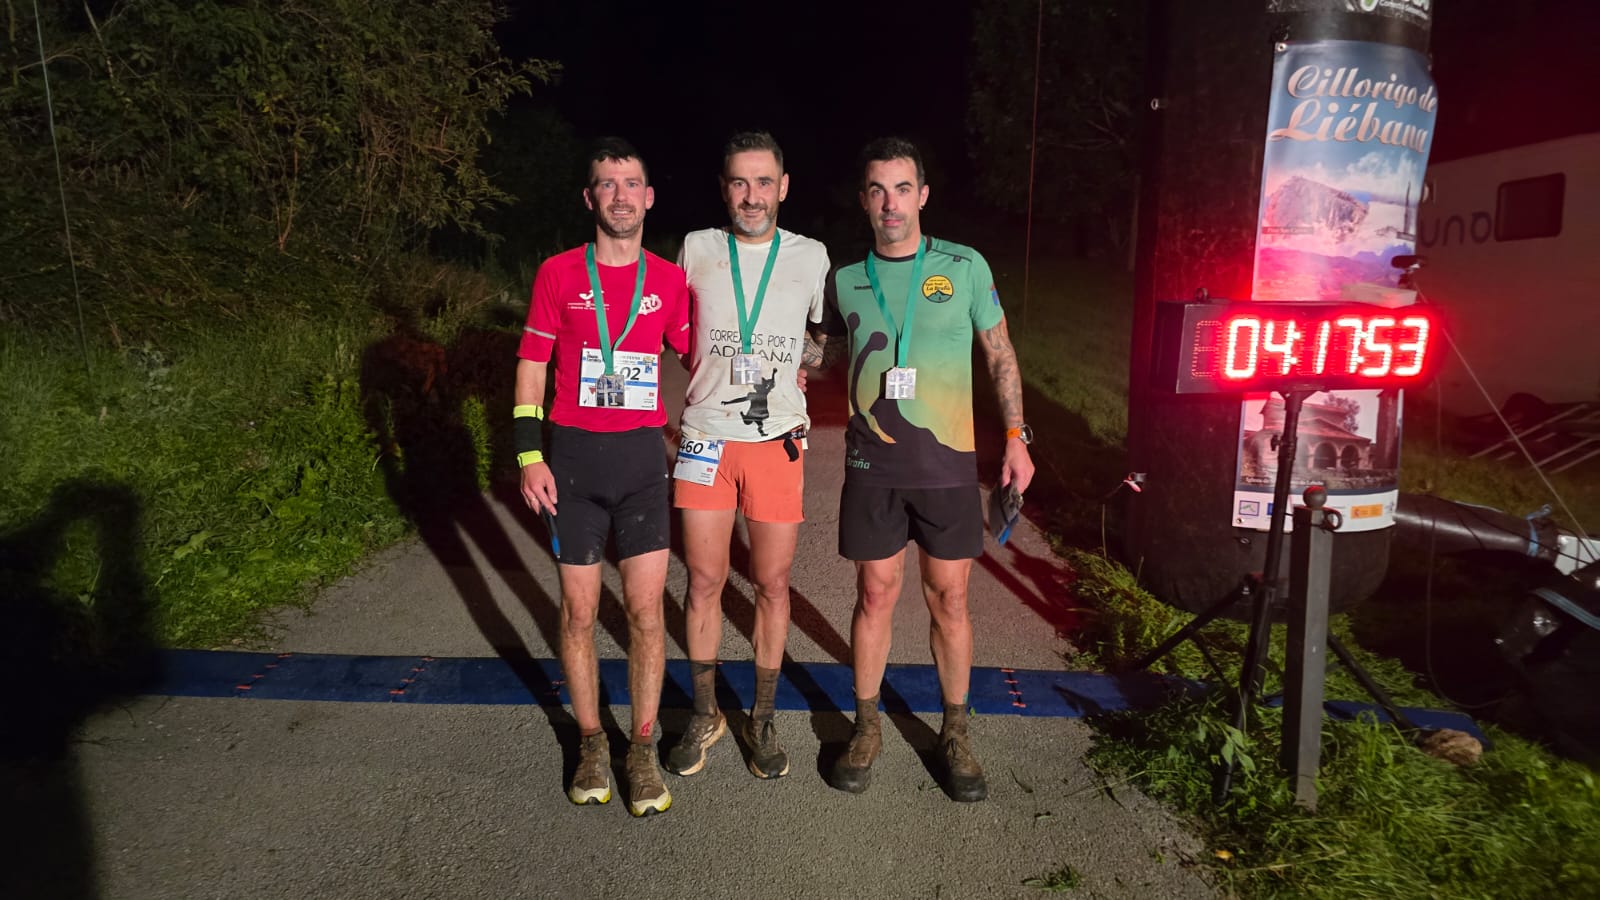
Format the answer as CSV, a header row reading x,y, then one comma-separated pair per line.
x,y
925,442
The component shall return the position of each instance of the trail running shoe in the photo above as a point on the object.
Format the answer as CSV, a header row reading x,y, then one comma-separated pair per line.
x,y
688,756
853,771
767,759
591,783
646,792
966,782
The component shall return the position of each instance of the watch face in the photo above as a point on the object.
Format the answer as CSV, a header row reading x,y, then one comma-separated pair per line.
x,y
1027,434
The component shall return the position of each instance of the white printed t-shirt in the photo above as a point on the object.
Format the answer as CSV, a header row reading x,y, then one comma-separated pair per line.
x,y
716,408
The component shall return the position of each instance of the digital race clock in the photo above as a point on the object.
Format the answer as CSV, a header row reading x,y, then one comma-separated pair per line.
x,y
1259,346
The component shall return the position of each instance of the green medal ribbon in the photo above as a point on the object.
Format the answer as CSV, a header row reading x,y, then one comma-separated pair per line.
x,y
902,335
747,321
607,346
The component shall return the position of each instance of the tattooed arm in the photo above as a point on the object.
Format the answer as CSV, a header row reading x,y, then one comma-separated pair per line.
x,y
1017,467
822,350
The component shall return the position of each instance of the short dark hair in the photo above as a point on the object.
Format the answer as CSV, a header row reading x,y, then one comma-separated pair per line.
x,y
614,149
749,141
886,148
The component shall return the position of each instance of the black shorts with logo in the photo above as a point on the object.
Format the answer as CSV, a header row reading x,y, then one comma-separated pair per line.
x,y
876,522
609,482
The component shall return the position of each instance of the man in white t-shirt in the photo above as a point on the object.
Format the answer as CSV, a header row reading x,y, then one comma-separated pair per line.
x,y
755,288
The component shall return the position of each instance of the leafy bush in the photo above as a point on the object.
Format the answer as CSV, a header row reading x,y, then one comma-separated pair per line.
x,y
350,124
1390,821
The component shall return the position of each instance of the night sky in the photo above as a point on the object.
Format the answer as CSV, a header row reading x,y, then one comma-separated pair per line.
x,y
678,78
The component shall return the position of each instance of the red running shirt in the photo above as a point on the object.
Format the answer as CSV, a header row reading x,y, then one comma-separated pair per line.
x,y
561,324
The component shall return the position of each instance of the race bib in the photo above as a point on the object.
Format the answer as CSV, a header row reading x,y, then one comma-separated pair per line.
x,y
633,384
698,459
900,384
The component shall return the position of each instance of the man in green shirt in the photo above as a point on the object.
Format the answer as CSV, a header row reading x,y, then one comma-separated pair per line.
x,y
908,314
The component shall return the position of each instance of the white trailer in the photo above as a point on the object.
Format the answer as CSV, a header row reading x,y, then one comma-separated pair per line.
x,y
1512,240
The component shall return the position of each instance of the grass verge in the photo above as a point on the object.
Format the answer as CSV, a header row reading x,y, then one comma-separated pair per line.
x,y
246,450
1391,821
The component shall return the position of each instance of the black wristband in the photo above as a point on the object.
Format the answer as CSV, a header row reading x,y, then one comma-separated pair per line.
x,y
527,434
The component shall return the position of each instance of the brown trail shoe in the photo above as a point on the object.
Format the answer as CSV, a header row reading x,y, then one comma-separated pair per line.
x,y
646,792
767,759
688,756
965,780
591,783
853,771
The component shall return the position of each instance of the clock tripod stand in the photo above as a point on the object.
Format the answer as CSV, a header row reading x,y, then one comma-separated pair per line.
x,y
1310,567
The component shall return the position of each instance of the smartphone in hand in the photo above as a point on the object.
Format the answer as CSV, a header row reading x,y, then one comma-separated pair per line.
x,y
1005,507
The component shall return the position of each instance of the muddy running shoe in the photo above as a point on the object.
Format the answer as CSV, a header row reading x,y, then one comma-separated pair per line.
x,y
853,771
965,780
767,759
688,756
591,784
646,792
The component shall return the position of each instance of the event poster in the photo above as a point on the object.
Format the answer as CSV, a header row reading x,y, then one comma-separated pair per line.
x,y
1349,128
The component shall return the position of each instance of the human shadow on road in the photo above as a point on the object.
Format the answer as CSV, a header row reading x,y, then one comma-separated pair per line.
x,y
67,654
440,417
1047,589
417,399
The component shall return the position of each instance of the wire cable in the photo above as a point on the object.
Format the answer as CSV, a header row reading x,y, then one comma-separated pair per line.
x,y
1033,152
61,186
1517,439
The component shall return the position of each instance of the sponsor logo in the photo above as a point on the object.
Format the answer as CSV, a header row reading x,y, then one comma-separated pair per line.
x,y
938,288
994,295
1370,511
648,304
1249,508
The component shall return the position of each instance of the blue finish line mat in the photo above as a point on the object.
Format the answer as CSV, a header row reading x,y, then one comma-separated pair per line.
x,y
821,687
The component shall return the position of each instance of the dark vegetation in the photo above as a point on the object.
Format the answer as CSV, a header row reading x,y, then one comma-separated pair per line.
x,y
249,316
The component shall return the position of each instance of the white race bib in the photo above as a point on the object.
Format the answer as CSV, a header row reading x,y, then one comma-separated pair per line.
x,y
698,459
640,375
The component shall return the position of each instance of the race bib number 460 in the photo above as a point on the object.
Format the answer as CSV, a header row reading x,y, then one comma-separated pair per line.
x,y
635,385
698,459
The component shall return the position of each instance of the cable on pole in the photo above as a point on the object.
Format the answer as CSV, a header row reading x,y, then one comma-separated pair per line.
x,y
1033,153
61,187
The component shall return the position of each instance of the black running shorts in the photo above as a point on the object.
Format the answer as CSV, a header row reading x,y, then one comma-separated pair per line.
x,y
876,522
609,482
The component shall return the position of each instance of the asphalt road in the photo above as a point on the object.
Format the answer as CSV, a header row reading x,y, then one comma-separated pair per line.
x,y
195,798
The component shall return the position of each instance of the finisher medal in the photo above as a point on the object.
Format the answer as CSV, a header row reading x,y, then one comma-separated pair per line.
x,y
900,383
746,367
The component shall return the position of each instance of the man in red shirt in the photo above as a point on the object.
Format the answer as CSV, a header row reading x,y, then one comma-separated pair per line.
x,y
601,312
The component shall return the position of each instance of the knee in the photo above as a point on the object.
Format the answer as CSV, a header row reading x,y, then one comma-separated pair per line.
x,y
772,588
947,606
577,618
705,586
645,617
878,597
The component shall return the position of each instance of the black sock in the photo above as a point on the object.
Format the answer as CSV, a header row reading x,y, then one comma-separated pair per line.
x,y
766,693
703,676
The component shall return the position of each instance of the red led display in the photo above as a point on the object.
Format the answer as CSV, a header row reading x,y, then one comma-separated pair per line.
x,y
1241,347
